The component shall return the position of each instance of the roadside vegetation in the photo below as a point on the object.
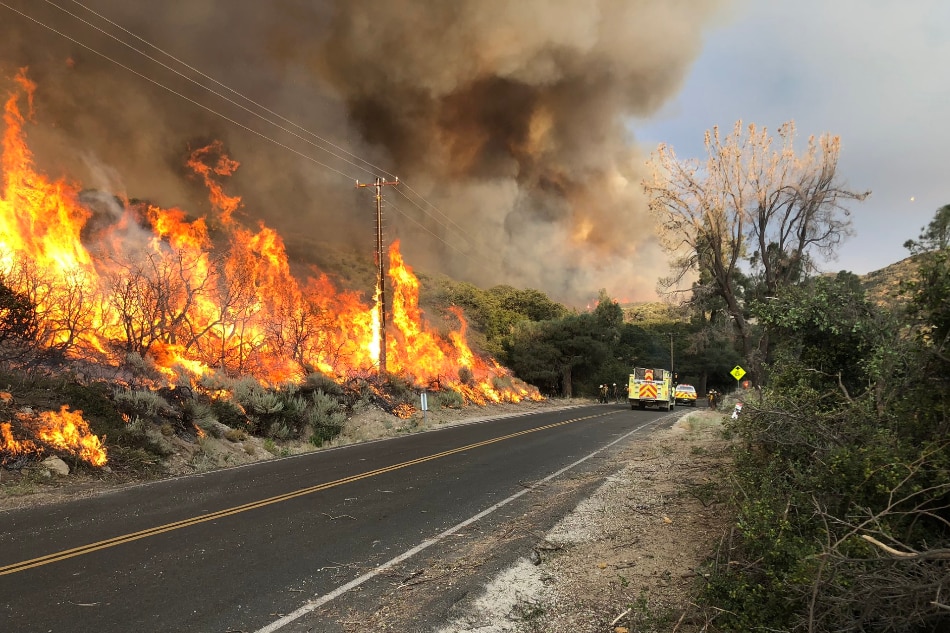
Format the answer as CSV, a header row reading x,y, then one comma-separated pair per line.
x,y
841,476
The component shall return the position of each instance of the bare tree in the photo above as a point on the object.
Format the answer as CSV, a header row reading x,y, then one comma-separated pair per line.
x,y
66,305
153,297
754,212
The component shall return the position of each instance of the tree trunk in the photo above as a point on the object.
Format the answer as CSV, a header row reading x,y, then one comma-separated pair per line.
x,y
566,387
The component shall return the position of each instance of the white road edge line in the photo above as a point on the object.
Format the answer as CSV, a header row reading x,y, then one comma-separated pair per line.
x,y
312,605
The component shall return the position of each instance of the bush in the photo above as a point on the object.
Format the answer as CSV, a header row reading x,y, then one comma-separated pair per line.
x,y
446,399
143,403
325,418
229,413
321,382
202,415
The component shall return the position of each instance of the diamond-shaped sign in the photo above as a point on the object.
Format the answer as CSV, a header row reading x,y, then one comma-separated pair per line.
x,y
737,372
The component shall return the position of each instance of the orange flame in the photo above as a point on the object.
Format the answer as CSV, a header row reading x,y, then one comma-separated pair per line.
x,y
157,283
13,447
68,431
64,430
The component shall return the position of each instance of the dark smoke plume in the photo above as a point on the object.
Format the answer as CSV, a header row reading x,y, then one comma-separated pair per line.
x,y
512,118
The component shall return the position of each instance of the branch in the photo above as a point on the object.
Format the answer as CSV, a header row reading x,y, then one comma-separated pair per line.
x,y
935,554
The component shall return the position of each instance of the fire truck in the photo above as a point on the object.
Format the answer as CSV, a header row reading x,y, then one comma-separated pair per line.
x,y
651,388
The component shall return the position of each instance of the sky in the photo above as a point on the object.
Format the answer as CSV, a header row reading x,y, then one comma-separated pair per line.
x,y
874,72
520,130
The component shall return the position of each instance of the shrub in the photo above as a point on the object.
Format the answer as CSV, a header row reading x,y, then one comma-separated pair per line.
x,y
446,399
202,415
325,418
229,413
321,382
235,435
142,402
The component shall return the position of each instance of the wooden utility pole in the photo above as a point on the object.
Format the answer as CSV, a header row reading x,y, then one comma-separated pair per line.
x,y
380,266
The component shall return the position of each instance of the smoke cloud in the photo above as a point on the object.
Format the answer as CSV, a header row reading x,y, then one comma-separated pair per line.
x,y
508,120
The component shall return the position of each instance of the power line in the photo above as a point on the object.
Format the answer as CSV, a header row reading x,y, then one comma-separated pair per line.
x,y
416,204
426,229
458,229
451,222
214,92
175,92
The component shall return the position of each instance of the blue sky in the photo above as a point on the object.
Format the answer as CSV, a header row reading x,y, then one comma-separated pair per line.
x,y
875,72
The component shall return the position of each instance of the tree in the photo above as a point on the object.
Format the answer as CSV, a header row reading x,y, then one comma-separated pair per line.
x,y
17,315
558,355
930,292
753,203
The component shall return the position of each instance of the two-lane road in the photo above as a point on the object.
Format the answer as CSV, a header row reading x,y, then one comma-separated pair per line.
x,y
236,550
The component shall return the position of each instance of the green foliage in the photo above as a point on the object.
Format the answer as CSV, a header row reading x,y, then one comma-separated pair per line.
x,y
828,324
850,444
325,418
142,402
446,399
572,354
494,313
320,382
229,413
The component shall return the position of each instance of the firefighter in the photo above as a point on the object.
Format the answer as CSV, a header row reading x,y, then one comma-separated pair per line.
x,y
603,393
616,393
712,397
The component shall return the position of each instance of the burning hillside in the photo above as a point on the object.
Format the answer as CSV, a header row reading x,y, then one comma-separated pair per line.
x,y
202,295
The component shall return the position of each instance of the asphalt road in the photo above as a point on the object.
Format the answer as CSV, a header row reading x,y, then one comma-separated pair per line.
x,y
245,549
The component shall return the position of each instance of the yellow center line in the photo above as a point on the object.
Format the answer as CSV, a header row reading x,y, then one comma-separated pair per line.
x,y
177,525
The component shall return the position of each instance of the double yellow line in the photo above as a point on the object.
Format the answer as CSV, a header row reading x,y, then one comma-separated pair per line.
x,y
177,525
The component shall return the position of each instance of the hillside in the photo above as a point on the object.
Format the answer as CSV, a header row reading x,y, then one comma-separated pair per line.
x,y
883,286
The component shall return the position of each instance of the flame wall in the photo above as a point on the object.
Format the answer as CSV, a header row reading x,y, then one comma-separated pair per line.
x,y
196,294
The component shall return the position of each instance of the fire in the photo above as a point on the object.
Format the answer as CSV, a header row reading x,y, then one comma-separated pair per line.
x,y
13,447
64,430
159,283
67,430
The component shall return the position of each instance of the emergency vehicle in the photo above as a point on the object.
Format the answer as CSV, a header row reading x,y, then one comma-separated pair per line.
x,y
685,394
651,388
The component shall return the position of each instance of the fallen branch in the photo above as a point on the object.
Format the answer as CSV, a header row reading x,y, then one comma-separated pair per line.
x,y
620,617
935,554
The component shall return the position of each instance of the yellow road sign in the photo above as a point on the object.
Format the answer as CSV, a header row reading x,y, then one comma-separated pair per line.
x,y
737,372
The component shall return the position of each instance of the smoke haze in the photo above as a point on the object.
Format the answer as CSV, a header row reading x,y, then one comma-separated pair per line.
x,y
511,118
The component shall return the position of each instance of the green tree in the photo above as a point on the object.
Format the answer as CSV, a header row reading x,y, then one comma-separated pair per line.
x,y
562,356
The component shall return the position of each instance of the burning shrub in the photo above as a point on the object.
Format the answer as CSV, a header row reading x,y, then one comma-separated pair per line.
x,y
100,409
142,368
399,389
203,417
466,377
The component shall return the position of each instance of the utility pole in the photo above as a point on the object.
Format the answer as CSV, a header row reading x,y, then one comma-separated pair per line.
x,y
671,356
380,267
